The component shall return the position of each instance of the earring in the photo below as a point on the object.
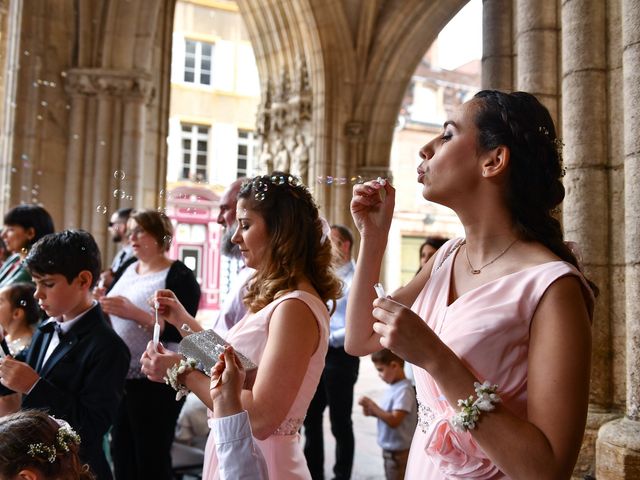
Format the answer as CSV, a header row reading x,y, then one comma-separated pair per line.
x,y
24,250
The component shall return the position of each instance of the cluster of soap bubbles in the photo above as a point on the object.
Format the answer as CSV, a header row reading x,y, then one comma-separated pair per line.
x,y
119,193
34,190
330,180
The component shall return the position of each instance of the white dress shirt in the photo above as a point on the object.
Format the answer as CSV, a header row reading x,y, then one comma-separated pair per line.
x,y
239,456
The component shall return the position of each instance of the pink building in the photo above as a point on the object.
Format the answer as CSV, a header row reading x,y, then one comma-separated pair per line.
x,y
193,210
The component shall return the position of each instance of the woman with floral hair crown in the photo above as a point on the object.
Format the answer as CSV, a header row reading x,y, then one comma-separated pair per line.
x,y
281,236
35,446
496,324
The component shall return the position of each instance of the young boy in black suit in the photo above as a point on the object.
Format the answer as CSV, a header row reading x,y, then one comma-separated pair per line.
x,y
76,365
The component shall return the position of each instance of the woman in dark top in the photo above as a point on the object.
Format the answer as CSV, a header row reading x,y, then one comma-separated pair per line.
x,y
144,428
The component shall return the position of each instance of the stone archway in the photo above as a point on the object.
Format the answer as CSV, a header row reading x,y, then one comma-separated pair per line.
x,y
356,75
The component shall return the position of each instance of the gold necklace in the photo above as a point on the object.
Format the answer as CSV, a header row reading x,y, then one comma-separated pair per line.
x,y
476,271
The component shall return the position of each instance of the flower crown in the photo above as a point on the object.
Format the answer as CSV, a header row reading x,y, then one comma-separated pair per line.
x,y
65,437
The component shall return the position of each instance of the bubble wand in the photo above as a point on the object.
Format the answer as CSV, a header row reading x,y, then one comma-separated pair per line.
x,y
156,327
380,290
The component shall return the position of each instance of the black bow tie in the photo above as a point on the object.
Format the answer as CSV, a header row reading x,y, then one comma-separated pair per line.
x,y
49,327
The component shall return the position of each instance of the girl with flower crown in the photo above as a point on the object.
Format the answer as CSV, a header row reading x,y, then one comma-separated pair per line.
x,y
35,446
497,324
285,333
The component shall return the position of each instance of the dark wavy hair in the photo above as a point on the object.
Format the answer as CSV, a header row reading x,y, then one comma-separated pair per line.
x,y
30,216
296,244
30,427
520,122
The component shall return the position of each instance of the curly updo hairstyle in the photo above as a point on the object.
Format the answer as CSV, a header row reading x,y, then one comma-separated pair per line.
x,y
296,248
20,431
520,122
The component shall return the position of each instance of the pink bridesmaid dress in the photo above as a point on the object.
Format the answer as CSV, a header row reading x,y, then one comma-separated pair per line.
x,y
488,328
282,450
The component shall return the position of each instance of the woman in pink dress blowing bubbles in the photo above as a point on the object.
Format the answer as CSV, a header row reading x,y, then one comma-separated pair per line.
x,y
285,333
499,326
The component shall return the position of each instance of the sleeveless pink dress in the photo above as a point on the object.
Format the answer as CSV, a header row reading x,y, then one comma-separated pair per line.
x,y
488,328
282,450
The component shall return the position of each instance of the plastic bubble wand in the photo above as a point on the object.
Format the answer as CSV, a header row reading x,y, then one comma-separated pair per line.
x,y
380,290
156,327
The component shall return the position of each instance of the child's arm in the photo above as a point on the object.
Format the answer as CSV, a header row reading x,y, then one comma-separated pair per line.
x,y
17,376
371,409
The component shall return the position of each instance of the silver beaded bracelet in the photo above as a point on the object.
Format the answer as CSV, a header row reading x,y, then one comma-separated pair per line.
x,y
471,409
177,369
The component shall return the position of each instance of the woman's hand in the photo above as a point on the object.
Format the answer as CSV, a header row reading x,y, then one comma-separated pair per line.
x,y
372,207
227,378
172,311
123,307
405,333
156,363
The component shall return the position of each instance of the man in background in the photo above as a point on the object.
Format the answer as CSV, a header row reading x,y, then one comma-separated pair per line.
x,y
338,378
118,227
233,308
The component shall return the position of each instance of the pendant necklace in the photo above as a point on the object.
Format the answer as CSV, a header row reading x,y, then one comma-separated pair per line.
x,y
476,271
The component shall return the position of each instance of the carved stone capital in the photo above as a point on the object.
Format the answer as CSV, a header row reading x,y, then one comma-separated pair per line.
x,y
113,83
354,130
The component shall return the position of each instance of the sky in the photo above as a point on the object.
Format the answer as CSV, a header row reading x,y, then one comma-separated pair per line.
x,y
461,40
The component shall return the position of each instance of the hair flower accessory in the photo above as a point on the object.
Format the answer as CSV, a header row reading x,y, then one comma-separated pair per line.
x,y
65,437
326,230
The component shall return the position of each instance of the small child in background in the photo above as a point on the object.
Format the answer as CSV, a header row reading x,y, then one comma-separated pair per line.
x,y
397,414
19,314
34,445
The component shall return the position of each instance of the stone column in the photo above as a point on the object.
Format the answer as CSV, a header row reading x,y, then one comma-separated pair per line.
x,y
618,445
106,153
10,16
537,51
497,45
586,207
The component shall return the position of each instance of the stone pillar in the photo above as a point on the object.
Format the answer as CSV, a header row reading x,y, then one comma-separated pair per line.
x,y
497,45
106,153
10,16
618,445
537,51
586,207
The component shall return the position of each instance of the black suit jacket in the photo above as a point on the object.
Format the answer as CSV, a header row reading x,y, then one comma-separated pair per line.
x,y
82,382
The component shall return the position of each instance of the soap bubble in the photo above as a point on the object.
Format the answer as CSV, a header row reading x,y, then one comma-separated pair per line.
x,y
101,209
119,174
